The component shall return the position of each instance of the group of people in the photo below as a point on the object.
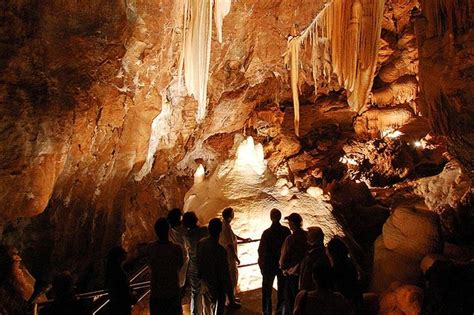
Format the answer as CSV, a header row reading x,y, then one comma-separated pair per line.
x,y
206,260
311,279
186,253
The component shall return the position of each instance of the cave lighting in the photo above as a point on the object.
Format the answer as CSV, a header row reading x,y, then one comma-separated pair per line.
x,y
417,144
251,155
199,174
391,133
347,160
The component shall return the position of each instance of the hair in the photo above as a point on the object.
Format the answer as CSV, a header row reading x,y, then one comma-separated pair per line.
x,y
227,212
174,217
162,228
190,220
337,249
275,215
323,276
215,227
63,284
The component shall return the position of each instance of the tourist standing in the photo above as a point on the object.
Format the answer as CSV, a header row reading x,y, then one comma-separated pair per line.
x,y
322,300
176,235
268,256
193,235
292,253
315,255
228,240
213,270
166,260
345,272
120,296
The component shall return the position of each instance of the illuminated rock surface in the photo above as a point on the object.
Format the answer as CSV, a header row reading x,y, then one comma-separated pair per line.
x,y
99,137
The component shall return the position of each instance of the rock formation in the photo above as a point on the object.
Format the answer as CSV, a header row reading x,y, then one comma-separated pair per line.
x,y
99,136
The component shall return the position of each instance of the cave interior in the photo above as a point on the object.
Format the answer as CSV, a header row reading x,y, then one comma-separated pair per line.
x,y
356,114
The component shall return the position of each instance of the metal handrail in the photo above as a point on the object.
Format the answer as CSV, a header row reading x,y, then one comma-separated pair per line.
x,y
135,286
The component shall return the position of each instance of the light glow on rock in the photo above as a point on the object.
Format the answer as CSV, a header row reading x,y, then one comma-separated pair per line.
x,y
246,184
251,155
391,133
199,174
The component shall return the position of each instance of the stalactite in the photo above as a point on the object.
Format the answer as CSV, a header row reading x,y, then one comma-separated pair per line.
x,y
344,39
196,52
221,9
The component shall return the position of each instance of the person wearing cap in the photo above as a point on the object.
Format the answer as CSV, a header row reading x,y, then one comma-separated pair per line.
x,y
292,253
315,255
268,255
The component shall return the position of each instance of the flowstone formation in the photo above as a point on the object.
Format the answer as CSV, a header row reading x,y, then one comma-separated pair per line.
x,y
246,184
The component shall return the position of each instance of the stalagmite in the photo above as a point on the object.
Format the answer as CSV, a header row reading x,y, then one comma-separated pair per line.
x,y
347,32
196,53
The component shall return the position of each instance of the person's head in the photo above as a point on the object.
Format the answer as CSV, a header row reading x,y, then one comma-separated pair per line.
x,y
275,215
295,221
215,228
190,220
323,276
228,214
116,256
315,236
63,285
174,217
337,249
162,228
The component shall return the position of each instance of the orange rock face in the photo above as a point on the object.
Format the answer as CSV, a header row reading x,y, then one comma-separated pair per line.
x,y
98,137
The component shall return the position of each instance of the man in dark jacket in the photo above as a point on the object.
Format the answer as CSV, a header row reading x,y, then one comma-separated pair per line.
x,y
316,255
292,253
213,270
165,259
268,255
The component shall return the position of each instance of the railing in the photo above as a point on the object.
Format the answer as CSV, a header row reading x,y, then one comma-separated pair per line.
x,y
100,297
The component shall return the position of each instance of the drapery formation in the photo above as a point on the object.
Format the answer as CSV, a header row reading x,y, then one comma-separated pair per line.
x,y
344,39
196,47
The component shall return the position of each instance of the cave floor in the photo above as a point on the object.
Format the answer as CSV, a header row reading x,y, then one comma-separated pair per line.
x,y
251,303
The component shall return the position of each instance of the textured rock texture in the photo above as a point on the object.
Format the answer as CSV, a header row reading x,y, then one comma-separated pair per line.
x,y
446,42
409,234
98,138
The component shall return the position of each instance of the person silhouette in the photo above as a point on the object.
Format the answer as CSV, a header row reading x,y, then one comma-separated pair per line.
x,y
213,270
166,260
64,300
268,255
176,235
316,254
193,235
344,270
228,239
322,300
121,299
292,253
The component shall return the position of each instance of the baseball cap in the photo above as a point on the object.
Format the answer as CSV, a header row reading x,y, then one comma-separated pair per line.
x,y
295,218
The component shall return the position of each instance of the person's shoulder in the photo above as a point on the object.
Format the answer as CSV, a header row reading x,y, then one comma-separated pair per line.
x,y
266,232
285,230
